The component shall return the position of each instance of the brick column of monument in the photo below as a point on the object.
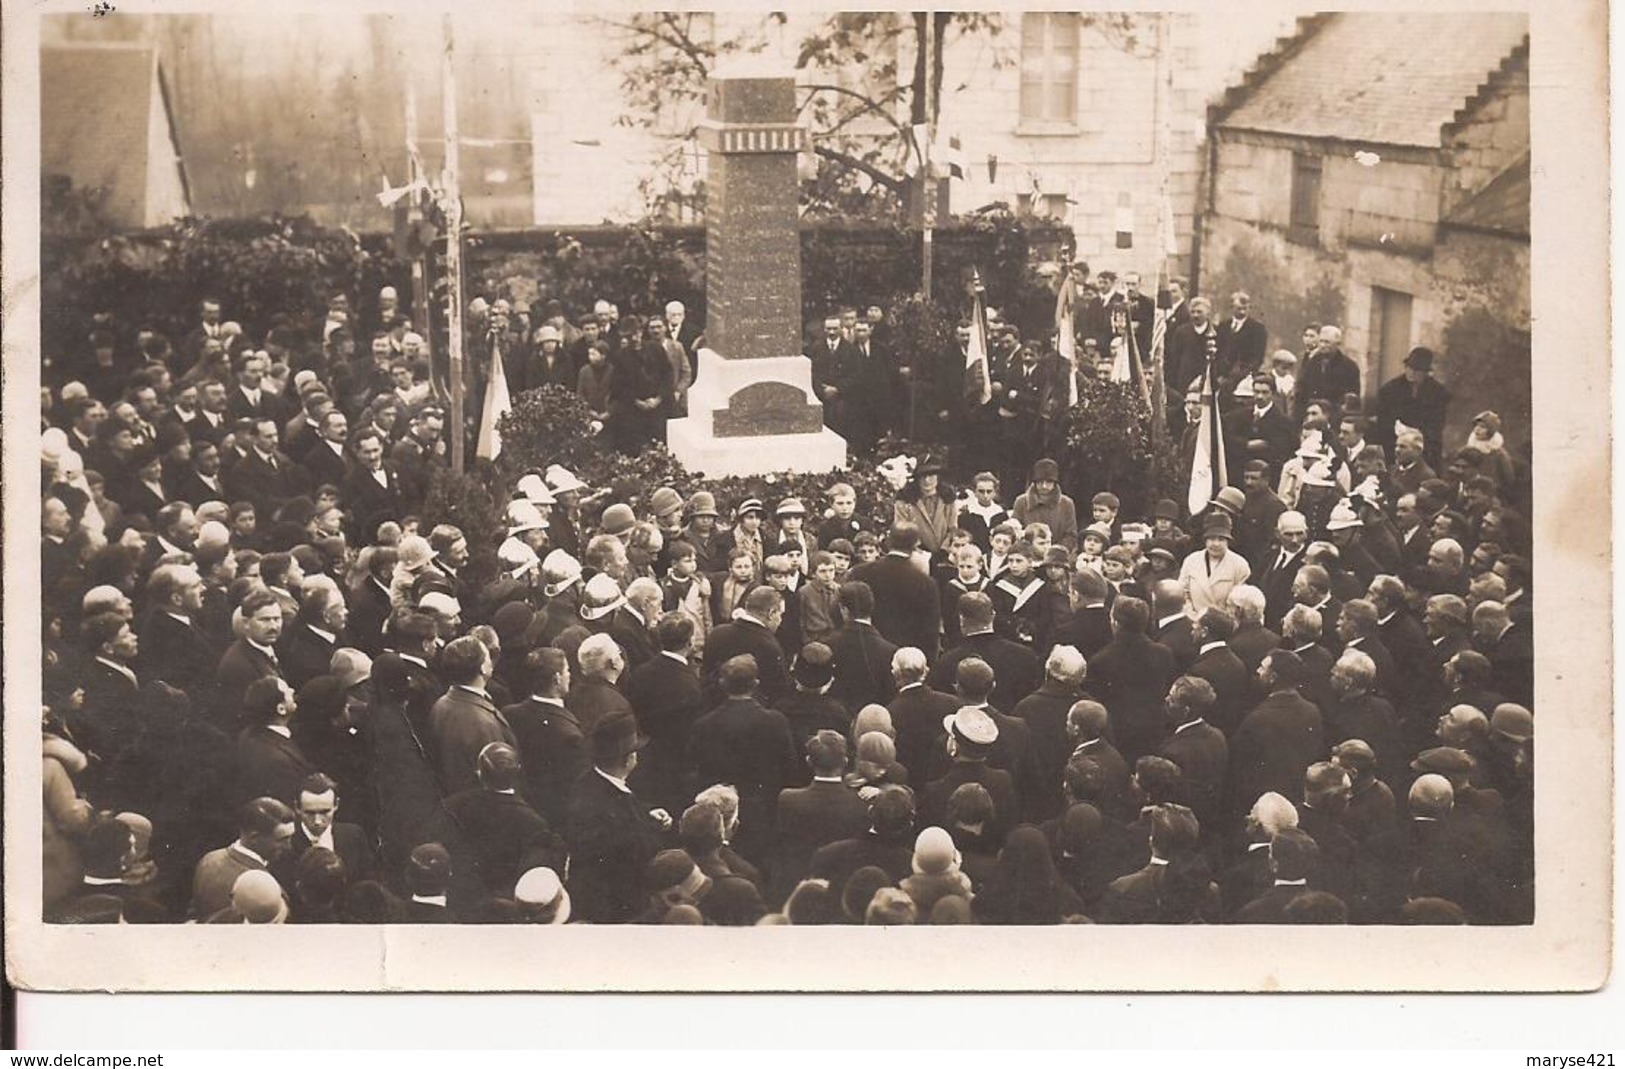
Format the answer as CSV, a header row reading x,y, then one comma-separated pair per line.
x,y
752,409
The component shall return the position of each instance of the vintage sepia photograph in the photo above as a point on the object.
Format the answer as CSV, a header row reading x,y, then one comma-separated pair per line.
x,y
517,481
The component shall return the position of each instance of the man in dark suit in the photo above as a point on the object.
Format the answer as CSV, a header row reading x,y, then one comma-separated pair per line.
x,y
917,713
1217,663
887,845
829,357
1293,856
266,476
1277,567
1088,726
465,719
665,696
269,763
318,826
306,649
325,457
372,490
1415,399
1140,897
863,656
1300,633
173,649
1510,648
1251,640
1132,676
1326,792
751,632
744,743
1328,372
265,829
1263,431
552,746
1188,347
907,610
201,480
1357,628
1090,627
631,623
1044,712
972,734
1241,343
611,833
251,657
1278,740
492,833
810,817
1017,671
1404,637
1170,626
1197,747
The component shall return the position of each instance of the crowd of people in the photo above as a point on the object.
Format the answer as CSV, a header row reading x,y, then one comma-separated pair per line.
x,y
273,694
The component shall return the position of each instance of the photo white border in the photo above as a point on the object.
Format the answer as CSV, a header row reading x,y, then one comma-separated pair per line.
x,y
1568,948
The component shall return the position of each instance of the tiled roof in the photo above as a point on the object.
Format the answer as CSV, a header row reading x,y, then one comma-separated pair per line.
x,y
1392,78
1502,205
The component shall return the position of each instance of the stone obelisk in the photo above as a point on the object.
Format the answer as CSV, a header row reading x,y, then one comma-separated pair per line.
x,y
751,408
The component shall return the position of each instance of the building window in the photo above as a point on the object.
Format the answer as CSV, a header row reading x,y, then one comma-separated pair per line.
x,y
1305,224
1049,68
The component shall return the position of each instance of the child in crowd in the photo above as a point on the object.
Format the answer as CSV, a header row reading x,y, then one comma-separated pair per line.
x,y
820,599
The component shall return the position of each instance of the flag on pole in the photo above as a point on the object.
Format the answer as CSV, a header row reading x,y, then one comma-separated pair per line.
x,y
497,402
1066,334
1208,473
978,375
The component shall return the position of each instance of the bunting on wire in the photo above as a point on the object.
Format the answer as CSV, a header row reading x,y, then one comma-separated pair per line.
x,y
978,375
1208,475
497,403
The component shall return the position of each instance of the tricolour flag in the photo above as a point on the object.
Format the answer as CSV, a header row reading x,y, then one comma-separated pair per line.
x,y
497,402
1208,475
978,374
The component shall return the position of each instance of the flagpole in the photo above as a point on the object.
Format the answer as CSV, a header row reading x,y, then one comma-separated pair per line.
x,y
414,213
454,253
928,193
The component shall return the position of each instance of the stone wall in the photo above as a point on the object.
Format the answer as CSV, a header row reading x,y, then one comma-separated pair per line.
x,y
1491,136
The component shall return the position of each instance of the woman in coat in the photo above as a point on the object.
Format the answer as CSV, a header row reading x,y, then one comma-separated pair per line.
x,y
67,816
929,504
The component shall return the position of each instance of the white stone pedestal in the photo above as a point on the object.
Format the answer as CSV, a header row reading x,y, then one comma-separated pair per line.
x,y
694,441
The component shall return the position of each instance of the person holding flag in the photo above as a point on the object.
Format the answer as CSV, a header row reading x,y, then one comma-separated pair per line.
x,y
1208,474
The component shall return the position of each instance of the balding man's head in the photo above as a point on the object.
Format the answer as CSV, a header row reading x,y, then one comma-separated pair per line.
x,y
1431,797
1272,813
975,613
908,665
1066,665
1490,620
974,680
1167,597
1087,720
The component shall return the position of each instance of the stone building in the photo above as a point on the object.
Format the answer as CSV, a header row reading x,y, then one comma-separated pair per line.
x,y
1364,174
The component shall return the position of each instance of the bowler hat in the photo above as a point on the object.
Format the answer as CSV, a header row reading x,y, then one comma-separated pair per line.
x,y
1217,526
1231,500
1421,358
703,503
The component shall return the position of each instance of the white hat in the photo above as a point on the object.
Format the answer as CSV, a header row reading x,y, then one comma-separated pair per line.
x,y
602,597
1244,388
562,480
560,570
1343,517
1369,491
387,294
542,887
517,558
534,487
440,603
972,724
548,332
524,516
416,553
